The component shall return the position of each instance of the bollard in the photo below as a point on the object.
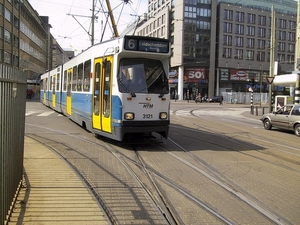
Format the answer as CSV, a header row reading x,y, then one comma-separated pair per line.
x,y
251,110
256,111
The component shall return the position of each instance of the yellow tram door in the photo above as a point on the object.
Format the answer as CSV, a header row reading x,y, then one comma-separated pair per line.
x,y
53,91
69,95
102,94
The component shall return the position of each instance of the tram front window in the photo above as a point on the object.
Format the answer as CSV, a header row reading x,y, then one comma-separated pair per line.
x,y
142,76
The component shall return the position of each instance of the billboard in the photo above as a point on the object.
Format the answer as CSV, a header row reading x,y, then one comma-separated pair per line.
x,y
195,75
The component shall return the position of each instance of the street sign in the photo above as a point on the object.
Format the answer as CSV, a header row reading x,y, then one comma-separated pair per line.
x,y
269,80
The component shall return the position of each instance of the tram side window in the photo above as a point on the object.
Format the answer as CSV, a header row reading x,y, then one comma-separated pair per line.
x,y
65,80
86,76
80,77
106,89
46,84
97,88
75,78
53,84
58,82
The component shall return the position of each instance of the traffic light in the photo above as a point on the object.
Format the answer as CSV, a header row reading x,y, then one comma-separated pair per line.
x,y
252,81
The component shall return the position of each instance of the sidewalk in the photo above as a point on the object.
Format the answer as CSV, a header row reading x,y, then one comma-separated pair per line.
x,y
52,193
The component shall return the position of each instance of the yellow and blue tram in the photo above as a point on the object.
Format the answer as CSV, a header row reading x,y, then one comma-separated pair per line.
x,y
114,89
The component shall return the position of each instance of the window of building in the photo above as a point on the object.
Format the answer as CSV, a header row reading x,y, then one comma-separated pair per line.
x,y
251,18
250,42
190,12
203,25
281,35
240,16
1,55
281,46
227,27
16,22
239,41
239,29
227,40
261,44
7,36
1,32
16,61
261,32
249,55
227,52
1,9
291,47
227,14
7,58
238,53
281,57
260,56
291,59
7,15
261,20
292,25
250,30
203,12
282,23
291,36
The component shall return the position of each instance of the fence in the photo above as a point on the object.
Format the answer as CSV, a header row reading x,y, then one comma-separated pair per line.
x,y
245,97
12,128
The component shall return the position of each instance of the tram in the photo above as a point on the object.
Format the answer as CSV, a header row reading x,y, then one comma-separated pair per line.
x,y
117,89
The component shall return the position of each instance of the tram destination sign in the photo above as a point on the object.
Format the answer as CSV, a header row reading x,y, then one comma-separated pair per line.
x,y
146,45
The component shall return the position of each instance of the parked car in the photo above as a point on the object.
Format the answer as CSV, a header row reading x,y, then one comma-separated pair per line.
x,y
215,99
286,117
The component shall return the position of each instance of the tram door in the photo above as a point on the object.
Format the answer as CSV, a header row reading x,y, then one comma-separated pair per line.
x,y
69,95
102,94
53,91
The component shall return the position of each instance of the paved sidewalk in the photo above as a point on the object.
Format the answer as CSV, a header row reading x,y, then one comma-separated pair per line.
x,y
52,193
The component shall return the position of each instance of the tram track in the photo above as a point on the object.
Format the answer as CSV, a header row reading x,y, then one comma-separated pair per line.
x,y
229,186
91,184
140,163
233,132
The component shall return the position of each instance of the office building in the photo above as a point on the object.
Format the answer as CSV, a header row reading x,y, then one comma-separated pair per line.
x,y
220,46
26,43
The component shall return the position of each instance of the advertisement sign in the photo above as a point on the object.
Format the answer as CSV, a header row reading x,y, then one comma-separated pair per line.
x,y
238,75
194,75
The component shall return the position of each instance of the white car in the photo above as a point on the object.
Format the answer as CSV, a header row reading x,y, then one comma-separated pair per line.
x,y
286,117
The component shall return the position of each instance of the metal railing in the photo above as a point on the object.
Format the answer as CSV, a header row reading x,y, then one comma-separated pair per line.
x,y
12,128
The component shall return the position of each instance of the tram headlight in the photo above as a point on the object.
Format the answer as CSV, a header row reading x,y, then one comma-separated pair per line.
x,y
129,116
163,115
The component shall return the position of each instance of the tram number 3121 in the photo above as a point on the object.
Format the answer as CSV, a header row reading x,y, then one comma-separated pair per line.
x,y
147,116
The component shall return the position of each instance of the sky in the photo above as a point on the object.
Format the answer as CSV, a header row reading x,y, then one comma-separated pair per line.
x,y
71,19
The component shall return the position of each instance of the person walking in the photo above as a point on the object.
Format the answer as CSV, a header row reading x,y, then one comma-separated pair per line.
x,y
221,100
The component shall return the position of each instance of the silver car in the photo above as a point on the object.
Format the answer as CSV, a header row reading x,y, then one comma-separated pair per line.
x,y
286,117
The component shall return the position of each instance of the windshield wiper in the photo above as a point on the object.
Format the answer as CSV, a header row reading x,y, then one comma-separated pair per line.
x,y
126,88
163,90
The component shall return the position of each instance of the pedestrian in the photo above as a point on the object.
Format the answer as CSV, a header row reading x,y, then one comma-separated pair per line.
x,y
221,100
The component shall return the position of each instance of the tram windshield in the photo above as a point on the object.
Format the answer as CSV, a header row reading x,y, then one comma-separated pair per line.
x,y
142,76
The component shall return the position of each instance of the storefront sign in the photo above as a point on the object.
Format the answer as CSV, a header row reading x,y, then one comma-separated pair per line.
x,y
238,75
194,74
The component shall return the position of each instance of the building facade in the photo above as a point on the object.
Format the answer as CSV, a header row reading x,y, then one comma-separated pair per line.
x,y
26,43
221,46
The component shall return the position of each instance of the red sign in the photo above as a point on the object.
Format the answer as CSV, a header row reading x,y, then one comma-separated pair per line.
x,y
239,75
269,80
194,74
